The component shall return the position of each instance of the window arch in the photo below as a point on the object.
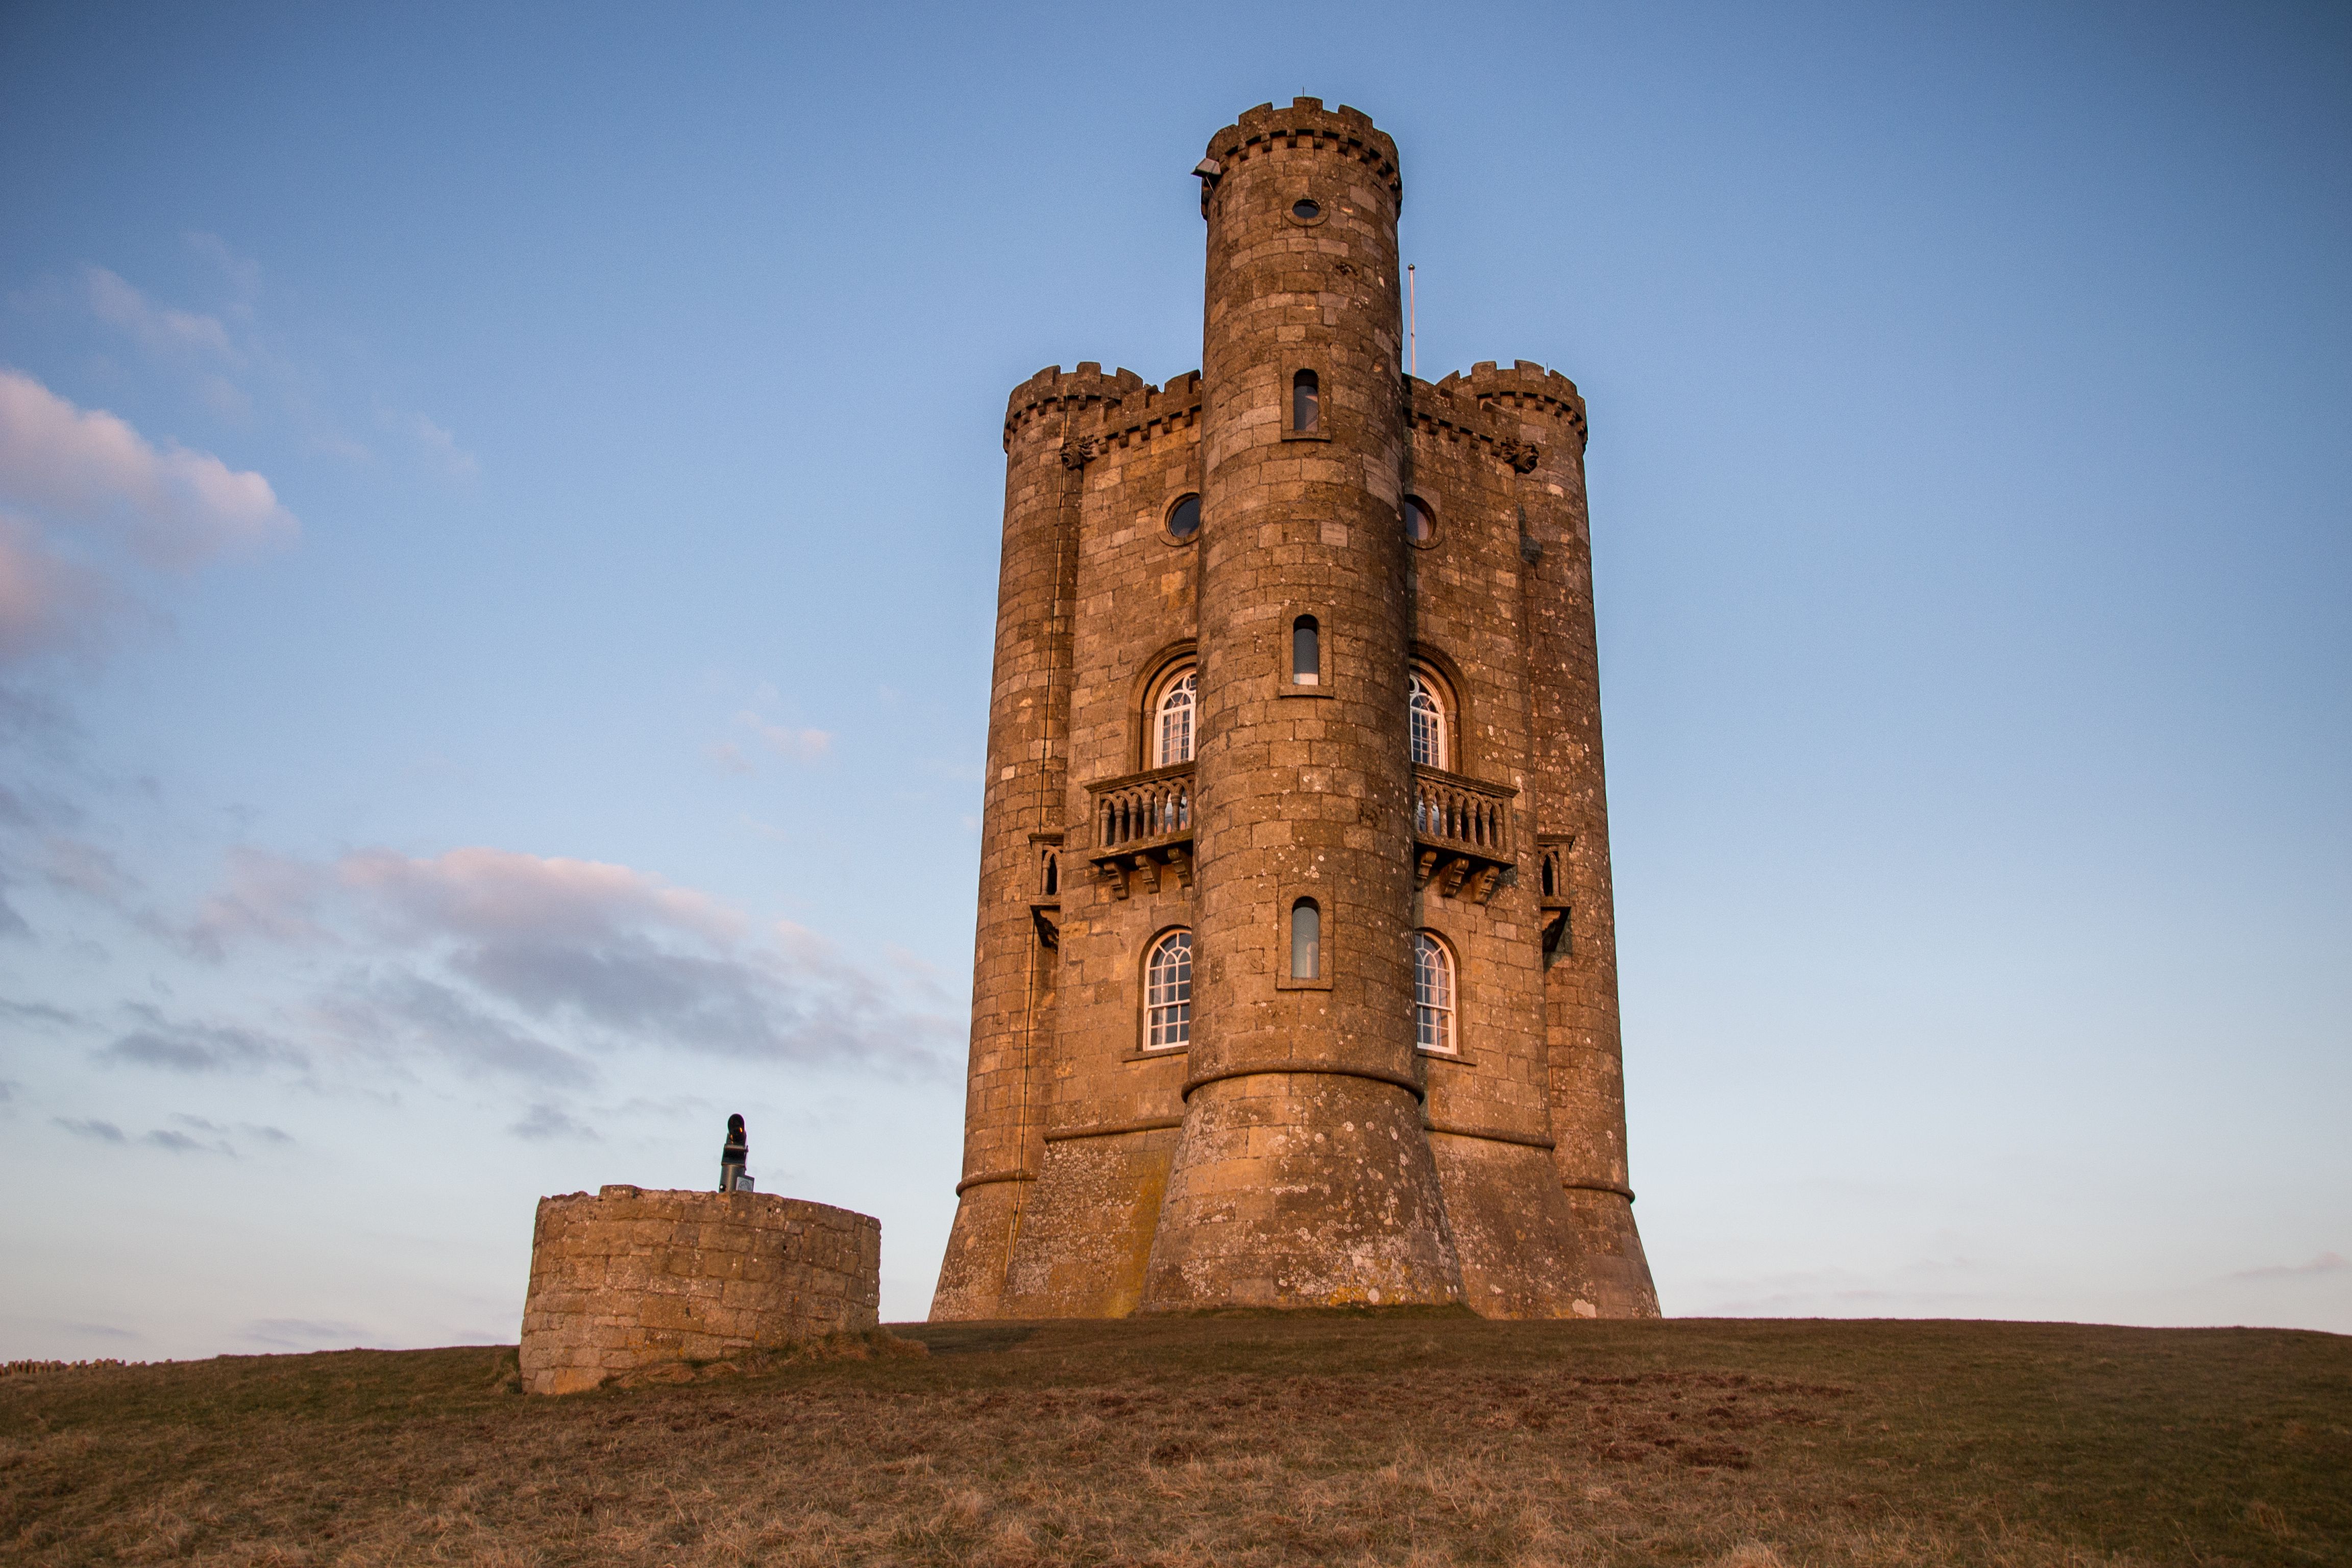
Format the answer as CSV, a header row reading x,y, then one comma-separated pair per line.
x,y
1426,711
1433,995
1306,401
1167,993
1305,940
1173,713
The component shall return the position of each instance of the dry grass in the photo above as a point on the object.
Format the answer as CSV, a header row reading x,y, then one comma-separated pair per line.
x,y
1257,1441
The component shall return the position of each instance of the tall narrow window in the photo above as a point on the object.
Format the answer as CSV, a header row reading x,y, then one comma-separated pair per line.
x,y
1428,717
1167,993
1432,994
1172,720
1305,652
1305,940
1306,401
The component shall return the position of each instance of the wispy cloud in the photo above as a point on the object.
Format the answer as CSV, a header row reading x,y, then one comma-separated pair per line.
x,y
2326,1263
434,446
123,307
304,1334
799,745
98,1132
177,1046
532,967
544,1122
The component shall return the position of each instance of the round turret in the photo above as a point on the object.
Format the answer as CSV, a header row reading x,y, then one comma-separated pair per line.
x,y
1303,1175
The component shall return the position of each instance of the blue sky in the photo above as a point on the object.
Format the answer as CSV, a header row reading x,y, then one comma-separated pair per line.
x,y
497,539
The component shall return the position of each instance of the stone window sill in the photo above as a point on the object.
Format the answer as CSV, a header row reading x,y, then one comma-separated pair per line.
x,y
1284,982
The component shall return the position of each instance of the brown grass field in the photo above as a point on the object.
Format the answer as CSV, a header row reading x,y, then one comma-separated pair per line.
x,y
1226,1440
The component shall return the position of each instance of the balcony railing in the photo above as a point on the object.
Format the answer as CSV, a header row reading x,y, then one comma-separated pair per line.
x,y
1143,823
1461,832
1143,827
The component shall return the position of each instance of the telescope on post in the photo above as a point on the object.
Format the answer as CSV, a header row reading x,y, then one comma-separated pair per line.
x,y
732,1176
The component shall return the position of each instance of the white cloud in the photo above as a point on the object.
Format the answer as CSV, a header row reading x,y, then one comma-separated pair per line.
x,y
120,305
2326,1263
800,745
434,446
175,508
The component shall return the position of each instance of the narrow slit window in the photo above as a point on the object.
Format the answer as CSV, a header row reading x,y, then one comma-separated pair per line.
x,y
1305,940
1306,401
1167,993
1432,994
1305,652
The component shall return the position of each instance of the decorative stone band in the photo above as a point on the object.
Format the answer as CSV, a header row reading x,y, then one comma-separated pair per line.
x,y
1276,1069
1113,1129
1624,1192
986,1177
1492,1135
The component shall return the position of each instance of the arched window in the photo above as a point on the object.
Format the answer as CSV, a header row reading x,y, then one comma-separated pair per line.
x,y
1305,940
1306,401
1432,994
1172,719
1305,652
1167,993
1428,716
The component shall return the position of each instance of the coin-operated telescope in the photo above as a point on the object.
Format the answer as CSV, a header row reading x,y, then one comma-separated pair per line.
x,y
732,1176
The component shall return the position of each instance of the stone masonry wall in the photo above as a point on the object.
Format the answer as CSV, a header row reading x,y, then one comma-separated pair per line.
x,y
631,1277
1298,1150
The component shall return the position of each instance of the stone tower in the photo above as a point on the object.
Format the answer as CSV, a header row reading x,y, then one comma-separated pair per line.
x,y
1295,981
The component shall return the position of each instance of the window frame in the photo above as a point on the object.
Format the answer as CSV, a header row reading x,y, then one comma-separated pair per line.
x,y
1168,516
1145,1020
1326,930
1451,1008
1173,677
1426,679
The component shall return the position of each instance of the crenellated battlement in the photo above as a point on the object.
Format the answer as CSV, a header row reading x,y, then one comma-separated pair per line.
x,y
1118,410
1527,387
1466,407
1349,131
1053,391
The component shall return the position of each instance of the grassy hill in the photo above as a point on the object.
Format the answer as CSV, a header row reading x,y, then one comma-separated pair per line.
x,y
1230,1440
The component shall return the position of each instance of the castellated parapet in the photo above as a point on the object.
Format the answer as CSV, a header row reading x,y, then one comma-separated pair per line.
x,y
631,1277
1295,971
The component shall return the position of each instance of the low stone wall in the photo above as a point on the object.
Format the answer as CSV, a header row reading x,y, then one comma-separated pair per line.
x,y
631,1277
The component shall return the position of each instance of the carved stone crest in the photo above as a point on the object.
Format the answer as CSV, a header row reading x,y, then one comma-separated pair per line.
x,y
1076,454
1522,456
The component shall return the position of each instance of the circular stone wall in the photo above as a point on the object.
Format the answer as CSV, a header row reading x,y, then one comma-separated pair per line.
x,y
631,1277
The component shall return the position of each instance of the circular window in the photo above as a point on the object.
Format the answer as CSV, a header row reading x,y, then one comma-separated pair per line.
x,y
1420,522
1306,209
1185,520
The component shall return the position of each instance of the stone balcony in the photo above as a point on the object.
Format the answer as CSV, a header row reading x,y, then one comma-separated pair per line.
x,y
1461,833
1143,829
